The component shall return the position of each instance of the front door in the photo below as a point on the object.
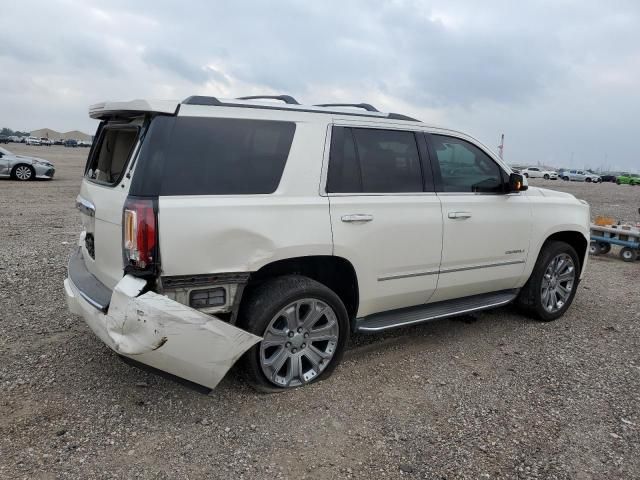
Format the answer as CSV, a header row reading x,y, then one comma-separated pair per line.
x,y
385,217
486,231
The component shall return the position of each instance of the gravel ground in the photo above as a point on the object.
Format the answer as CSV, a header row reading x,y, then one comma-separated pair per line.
x,y
496,396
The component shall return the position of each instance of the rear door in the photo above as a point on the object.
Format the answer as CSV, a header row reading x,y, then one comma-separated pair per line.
x,y
102,196
486,231
385,217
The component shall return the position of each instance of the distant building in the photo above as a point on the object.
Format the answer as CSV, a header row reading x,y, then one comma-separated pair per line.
x,y
54,135
46,133
77,135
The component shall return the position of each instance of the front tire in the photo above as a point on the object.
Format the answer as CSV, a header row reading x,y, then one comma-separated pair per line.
x,y
23,172
304,326
553,283
566,179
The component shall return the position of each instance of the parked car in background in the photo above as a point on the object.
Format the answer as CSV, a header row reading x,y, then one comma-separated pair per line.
x,y
84,143
580,176
628,179
70,143
21,167
45,141
537,172
59,141
184,263
32,141
608,177
4,139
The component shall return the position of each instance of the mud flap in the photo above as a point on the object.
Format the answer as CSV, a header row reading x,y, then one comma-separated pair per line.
x,y
170,336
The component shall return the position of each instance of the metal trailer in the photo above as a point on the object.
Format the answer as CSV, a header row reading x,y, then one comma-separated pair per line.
x,y
602,237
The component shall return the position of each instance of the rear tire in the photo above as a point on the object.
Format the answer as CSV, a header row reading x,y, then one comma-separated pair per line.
x,y
23,172
546,176
566,179
552,285
282,311
628,254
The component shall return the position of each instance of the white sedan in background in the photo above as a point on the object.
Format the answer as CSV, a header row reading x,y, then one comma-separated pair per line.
x,y
537,172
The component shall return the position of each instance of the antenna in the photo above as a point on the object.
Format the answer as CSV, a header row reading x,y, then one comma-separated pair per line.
x,y
501,147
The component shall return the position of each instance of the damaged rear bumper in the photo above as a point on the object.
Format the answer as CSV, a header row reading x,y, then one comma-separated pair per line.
x,y
159,332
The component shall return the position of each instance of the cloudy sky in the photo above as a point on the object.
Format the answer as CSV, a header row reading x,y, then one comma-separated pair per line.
x,y
561,79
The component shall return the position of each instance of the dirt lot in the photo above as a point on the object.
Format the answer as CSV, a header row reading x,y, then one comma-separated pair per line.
x,y
498,397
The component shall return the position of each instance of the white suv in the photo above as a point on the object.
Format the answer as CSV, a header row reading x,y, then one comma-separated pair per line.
x,y
220,229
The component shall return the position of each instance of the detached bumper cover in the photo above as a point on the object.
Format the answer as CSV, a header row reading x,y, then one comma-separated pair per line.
x,y
161,333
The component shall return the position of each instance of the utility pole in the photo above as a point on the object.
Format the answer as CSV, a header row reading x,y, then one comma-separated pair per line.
x,y
501,147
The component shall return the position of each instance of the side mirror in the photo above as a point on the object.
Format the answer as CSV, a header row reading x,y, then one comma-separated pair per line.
x,y
516,183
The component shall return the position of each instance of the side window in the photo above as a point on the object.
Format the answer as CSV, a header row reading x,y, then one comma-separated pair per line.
x,y
466,168
344,167
374,161
212,156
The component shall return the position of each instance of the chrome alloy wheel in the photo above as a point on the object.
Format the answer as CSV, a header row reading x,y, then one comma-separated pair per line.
x,y
557,282
299,342
23,172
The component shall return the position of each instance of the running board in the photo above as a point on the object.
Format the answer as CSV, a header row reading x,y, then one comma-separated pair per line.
x,y
433,311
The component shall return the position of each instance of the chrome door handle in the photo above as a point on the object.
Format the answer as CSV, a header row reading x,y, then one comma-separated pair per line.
x,y
357,217
460,215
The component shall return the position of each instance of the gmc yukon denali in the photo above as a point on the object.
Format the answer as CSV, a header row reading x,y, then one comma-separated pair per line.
x,y
262,230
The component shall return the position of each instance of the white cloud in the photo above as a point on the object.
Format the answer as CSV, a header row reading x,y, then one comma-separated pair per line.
x,y
555,77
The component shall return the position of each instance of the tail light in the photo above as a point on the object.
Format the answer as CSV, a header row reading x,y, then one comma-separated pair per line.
x,y
139,234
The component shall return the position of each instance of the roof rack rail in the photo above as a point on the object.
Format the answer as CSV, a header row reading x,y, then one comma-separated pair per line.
x,y
368,107
400,116
371,110
285,98
202,100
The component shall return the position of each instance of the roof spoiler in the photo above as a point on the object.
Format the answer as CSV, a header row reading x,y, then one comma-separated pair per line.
x,y
132,108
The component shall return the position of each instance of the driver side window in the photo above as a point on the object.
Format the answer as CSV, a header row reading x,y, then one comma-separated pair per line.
x,y
466,168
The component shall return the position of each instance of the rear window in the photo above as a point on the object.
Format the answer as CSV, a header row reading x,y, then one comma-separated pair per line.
x,y
111,153
212,156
